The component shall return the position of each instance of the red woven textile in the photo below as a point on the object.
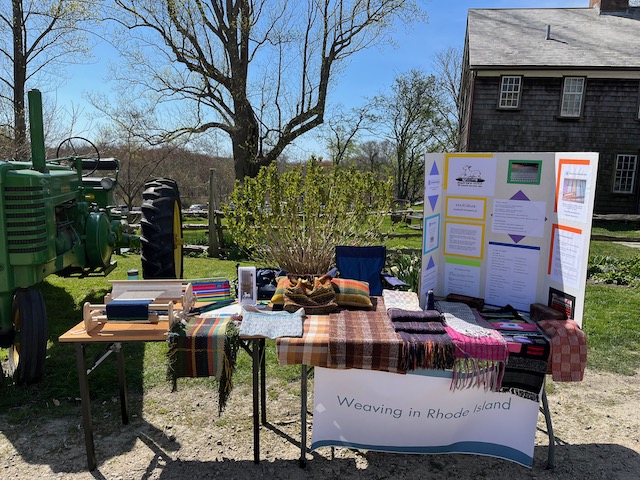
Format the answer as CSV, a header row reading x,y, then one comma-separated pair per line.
x,y
568,349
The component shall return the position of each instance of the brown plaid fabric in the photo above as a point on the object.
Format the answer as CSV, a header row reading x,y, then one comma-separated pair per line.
x,y
311,349
364,340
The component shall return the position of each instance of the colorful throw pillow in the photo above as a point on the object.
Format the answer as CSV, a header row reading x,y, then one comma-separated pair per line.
x,y
278,297
351,293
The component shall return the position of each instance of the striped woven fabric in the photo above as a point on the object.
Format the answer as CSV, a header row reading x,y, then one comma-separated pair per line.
x,y
311,349
199,348
205,347
351,293
211,290
365,340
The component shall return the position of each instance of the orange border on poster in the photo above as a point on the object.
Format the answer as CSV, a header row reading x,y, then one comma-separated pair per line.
x,y
555,227
561,163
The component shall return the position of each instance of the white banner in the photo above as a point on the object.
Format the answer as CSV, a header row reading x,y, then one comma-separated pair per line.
x,y
418,413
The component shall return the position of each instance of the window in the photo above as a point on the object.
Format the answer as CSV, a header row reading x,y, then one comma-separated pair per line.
x,y
510,92
572,95
624,180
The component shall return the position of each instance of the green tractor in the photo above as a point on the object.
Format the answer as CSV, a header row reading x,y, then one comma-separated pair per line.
x,y
58,216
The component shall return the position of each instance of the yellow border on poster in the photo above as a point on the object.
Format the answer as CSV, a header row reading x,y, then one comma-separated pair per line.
x,y
462,197
447,156
482,228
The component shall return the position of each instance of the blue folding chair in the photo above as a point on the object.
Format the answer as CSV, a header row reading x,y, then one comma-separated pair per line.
x,y
366,264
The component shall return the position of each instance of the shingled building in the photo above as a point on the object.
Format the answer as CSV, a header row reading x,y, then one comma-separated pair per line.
x,y
558,79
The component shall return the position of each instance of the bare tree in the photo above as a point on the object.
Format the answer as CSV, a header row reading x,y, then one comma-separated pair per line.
x,y
341,133
447,68
375,156
258,70
37,37
410,120
122,138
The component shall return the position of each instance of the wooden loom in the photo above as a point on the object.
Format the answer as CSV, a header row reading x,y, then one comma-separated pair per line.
x,y
168,299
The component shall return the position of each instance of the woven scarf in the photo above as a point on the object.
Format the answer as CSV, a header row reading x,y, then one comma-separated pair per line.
x,y
528,352
526,366
426,350
399,315
419,327
315,294
481,352
204,347
401,300
271,324
364,340
568,349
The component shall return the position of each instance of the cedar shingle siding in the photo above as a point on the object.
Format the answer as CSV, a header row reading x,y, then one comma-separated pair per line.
x,y
608,125
609,120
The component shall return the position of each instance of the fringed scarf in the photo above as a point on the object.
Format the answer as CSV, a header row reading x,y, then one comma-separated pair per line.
x,y
204,347
481,352
426,351
425,343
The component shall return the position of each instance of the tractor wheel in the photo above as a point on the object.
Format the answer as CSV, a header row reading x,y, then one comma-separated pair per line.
x,y
161,230
29,349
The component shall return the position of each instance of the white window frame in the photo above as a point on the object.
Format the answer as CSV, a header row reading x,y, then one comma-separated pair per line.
x,y
510,91
624,177
573,89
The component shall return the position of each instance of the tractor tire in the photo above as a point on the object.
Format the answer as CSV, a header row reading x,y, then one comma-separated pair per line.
x,y
29,349
161,238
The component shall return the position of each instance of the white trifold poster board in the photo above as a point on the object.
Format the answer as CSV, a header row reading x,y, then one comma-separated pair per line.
x,y
511,228
418,413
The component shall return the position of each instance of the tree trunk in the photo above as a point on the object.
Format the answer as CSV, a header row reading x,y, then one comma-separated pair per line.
x,y
245,139
19,80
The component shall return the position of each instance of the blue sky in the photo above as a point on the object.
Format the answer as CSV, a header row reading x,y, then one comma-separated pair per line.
x,y
368,73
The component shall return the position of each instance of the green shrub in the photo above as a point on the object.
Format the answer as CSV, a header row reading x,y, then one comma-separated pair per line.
x,y
295,219
614,270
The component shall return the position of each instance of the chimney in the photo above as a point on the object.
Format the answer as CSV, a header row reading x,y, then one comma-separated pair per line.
x,y
548,35
605,6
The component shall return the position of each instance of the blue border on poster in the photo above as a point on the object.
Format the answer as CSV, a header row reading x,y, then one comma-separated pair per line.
x,y
424,234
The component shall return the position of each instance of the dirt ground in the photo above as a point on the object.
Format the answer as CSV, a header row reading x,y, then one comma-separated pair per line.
x,y
179,435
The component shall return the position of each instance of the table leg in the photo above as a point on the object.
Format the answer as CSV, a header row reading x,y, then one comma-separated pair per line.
x,y
303,417
552,441
256,414
122,383
263,381
85,400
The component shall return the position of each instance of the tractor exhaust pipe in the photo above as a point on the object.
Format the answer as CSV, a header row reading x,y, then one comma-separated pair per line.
x,y
36,128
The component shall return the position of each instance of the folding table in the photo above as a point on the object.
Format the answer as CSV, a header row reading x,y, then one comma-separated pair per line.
x,y
113,336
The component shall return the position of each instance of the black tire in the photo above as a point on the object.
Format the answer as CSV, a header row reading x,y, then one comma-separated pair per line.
x,y
161,230
29,349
